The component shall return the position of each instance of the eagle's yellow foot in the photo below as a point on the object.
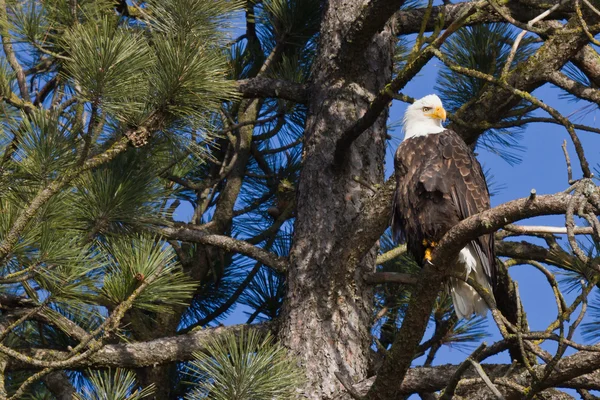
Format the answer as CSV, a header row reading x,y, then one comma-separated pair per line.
x,y
428,254
429,245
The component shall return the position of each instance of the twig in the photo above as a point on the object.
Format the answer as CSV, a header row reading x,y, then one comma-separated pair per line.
x,y
570,225
583,24
595,225
568,160
561,304
486,379
553,230
515,46
448,392
591,7
532,194
390,255
519,333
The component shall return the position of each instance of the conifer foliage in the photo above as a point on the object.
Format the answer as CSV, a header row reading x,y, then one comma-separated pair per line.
x,y
170,167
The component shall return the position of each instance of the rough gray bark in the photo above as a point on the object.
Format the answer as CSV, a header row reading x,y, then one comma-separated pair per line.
x,y
327,312
59,384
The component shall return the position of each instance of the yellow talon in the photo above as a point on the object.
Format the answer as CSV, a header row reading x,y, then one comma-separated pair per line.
x,y
428,254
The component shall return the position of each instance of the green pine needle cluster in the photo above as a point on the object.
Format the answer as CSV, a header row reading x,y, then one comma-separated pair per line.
x,y
133,261
245,366
119,384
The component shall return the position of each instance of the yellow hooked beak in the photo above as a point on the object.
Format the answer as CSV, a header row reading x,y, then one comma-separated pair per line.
x,y
438,113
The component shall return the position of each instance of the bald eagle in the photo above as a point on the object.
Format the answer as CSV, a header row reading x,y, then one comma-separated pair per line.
x,y
439,183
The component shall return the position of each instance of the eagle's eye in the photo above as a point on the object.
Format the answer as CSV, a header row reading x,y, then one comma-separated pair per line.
x,y
425,109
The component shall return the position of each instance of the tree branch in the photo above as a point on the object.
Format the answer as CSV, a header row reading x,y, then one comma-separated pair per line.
x,y
531,74
432,379
224,242
564,82
529,251
588,61
276,88
502,83
10,53
409,21
391,277
142,354
371,20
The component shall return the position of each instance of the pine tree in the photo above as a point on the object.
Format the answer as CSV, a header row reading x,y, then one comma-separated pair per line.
x,y
164,163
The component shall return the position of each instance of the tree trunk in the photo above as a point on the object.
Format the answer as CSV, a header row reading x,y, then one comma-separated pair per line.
x,y
327,313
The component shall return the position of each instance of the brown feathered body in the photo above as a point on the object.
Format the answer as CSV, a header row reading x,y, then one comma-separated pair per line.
x,y
439,182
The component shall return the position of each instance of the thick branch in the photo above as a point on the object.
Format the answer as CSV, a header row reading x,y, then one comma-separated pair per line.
x,y
588,60
409,21
225,242
371,20
391,277
497,217
142,354
574,87
529,251
277,88
431,379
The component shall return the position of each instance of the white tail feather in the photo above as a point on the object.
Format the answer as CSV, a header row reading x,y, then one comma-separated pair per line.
x,y
466,300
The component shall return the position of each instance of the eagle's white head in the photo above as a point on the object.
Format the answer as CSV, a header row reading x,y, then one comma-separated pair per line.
x,y
424,117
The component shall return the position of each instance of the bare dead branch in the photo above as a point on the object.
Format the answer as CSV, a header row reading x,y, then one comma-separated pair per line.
x,y
448,392
553,230
486,379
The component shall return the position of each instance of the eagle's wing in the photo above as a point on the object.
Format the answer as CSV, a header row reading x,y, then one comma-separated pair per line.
x,y
460,176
